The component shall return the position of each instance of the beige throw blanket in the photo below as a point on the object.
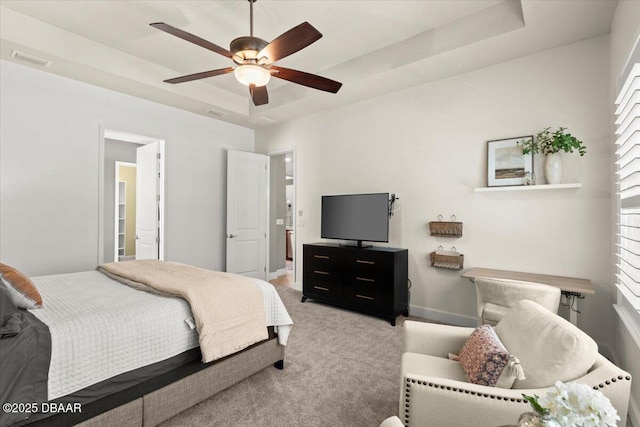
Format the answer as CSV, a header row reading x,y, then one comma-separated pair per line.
x,y
228,309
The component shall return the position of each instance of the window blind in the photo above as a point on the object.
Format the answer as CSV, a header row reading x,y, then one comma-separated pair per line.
x,y
628,187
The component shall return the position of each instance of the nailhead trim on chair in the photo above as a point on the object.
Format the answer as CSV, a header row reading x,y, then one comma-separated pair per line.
x,y
613,380
459,390
449,388
473,393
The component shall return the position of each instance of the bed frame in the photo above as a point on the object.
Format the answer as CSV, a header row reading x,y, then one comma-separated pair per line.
x,y
134,408
162,404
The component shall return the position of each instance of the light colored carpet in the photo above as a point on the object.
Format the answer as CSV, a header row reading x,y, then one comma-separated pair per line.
x,y
341,369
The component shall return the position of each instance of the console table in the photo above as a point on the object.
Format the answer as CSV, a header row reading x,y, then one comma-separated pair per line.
x,y
370,280
572,288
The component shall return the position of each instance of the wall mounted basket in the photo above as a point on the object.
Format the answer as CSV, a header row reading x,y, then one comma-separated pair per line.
x,y
451,260
445,228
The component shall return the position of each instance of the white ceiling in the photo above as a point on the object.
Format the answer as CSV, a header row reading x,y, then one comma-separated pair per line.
x,y
372,47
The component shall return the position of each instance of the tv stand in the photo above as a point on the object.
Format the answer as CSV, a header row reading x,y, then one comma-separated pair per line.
x,y
358,245
371,280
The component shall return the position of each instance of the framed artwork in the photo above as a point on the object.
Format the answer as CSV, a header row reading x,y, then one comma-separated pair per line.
x,y
506,165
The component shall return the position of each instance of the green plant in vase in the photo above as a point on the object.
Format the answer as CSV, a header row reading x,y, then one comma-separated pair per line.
x,y
551,144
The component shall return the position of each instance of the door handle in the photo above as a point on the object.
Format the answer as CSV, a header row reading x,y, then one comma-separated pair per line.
x,y
231,236
136,237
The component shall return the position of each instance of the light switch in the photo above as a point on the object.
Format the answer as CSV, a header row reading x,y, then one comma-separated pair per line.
x,y
279,221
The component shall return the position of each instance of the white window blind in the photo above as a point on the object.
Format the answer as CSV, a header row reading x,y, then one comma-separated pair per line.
x,y
628,180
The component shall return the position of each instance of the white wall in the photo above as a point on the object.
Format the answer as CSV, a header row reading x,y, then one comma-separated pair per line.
x,y
277,210
625,30
428,145
49,138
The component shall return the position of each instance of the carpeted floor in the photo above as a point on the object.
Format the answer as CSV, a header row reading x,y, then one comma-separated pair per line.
x,y
341,369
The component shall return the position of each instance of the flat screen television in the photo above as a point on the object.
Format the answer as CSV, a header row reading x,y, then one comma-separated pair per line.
x,y
359,217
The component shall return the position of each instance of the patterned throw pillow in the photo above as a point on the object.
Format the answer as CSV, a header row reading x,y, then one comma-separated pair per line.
x,y
486,361
20,288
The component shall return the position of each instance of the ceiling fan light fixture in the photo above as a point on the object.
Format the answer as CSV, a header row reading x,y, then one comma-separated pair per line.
x,y
251,74
255,57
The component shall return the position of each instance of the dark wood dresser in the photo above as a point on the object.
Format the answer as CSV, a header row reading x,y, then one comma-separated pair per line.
x,y
371,280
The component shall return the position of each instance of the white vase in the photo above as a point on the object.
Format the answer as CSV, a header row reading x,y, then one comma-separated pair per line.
x,y
553,168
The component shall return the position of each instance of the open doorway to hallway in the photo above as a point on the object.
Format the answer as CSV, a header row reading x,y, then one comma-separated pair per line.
x,y
131,195
282,218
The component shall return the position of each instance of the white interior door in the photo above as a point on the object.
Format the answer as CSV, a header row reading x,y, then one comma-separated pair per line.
x,y
147,203
247,214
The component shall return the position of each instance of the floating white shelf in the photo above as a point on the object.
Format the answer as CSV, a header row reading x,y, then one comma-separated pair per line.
x,y
528,187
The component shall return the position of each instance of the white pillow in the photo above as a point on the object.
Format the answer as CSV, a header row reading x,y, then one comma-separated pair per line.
x,y
549,348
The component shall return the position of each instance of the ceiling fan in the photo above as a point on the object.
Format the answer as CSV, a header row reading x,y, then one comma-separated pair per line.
x,y
255,57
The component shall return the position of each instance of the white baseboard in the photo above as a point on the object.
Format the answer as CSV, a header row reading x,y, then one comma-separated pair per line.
x,y
443,316
278,273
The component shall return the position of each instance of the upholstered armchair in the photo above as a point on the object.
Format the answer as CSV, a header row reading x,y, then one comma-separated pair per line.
x,y
434,389
496,297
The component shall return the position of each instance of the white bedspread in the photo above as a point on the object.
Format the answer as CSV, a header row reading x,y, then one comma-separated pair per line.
x,y
101,328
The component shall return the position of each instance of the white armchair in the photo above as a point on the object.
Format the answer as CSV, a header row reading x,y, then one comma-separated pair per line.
x,y
434,390
496,296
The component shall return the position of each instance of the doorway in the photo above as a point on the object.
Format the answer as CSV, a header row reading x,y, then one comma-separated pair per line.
x,y
282,235
124,211
131,197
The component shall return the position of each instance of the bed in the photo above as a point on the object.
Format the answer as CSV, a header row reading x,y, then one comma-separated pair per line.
x,y
101,352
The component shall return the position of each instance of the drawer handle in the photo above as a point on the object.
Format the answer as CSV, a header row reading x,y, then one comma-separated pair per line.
x,y
321,256
365,297
321,272
321,288
364,279
361,261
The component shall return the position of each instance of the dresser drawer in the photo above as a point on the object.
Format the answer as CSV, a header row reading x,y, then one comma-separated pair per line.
x,y
370,276
322,273
322,264
370,296
322,288
327,255
370,261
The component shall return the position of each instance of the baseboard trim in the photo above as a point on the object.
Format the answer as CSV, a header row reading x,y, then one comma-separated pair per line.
x,y
443,316
278,273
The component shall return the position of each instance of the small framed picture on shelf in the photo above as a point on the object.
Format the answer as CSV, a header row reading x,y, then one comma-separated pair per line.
x,y
506,165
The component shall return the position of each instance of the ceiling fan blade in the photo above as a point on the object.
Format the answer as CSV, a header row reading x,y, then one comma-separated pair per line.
x,y
306,79
259,95
290,42
191,38
198,76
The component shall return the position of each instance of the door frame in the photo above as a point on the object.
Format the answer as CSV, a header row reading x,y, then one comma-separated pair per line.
x,y
294,221
136,137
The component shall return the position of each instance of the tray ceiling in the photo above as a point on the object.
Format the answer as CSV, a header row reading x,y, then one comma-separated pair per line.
x,y
372,47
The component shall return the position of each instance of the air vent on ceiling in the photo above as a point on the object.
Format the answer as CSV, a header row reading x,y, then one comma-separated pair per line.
x,y
30,59
261,120
217,113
